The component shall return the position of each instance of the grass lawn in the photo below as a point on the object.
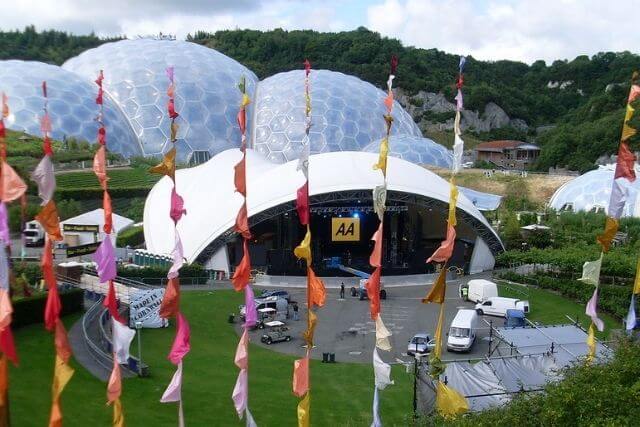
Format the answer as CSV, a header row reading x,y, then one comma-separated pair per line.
x,y
549,308
341,393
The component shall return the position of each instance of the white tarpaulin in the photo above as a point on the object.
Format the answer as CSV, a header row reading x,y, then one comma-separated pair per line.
x,y
145,308
475,379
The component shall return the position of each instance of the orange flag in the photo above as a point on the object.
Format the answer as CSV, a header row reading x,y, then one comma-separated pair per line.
x,y
13,187
114,387
100,166
171,300
5,309
625,163
375,260
48,219
445,250
168,164
317,292
301,376
108,212
242,222
373,292
4,388
239,177
242,275
61,376
438,290
610,230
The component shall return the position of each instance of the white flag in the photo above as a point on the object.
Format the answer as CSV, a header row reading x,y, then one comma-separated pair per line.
x,y
122,336
381,371
382,335
631,315
43,175
591,271
250,421
379,200
458,148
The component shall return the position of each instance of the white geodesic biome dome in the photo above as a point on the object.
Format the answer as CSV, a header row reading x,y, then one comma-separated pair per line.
x,y
72,106
207,95
346,115
415,149
592,190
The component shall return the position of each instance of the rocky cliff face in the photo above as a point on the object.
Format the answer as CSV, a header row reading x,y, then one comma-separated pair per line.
x,y
432,111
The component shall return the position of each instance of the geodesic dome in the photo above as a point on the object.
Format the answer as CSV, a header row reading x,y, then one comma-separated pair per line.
x,y
347,115
207,95
72,106
422,151
592,190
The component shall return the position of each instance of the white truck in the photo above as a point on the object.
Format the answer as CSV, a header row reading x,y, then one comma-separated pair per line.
x,y
478,290
498,306
33,234
462,333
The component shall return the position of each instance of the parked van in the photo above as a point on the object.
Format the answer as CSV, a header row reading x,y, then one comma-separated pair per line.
x,y
479,290
280,304
498,306
462,333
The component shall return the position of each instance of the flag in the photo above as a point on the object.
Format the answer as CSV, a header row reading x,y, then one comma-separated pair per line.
x,y
241,358
307,335
380,200
118,415
167,166
99,166
372,285
4,224
618,198
631,315
181,344
177,206
458,149
239,175
8,345
242,222
445,250
122,336
114,386
108,212
303,411
591,311
105,259
61,341
453,200
302,203
48,219
4,391
316,290
303,250
381,371
382,158
250,421
250,313
382,335
438,290
636,283
53,307
438,335
13,187
242,275
111,302
301,376
303,162
4,267
591,271
591,343
241,392
177,254
61,376
449,402
375,259
610,230
44,177
171,300
173,392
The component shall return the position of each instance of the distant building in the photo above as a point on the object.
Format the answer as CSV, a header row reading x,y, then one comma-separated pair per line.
x,y
508,154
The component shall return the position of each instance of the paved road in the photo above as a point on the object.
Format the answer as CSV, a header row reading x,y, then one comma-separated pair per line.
x,y
346,329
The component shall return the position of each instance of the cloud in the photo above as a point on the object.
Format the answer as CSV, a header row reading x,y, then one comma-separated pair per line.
x,y
524,30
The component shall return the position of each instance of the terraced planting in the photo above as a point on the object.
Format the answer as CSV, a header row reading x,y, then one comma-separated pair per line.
x,y
122,183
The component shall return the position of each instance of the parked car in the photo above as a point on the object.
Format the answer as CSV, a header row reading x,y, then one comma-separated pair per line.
x,y
275,293
498,306
514,319
420,344
478,290
467,165
276,332
462,333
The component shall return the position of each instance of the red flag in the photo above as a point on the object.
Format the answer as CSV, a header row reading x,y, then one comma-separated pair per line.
x,y
302,203
625,163
111,303
307,67
242,120
52,308
394,64
239,175
171,109
63,348
8,345
102,135
108,212
3,132
242,222
171,300
373,292
46,146
242,275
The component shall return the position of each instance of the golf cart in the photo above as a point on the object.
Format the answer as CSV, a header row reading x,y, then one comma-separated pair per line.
x,y
277,332
265,315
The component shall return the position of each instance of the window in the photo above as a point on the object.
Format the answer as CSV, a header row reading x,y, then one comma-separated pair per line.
x,y
486,303
459,332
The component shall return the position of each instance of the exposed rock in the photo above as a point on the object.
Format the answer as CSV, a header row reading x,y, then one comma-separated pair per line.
x,y
519,124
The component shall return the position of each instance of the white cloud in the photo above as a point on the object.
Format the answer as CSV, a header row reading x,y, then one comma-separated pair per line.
x,y
524,30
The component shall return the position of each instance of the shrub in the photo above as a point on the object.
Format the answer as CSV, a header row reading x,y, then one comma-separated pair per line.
x,y
132,237
28,311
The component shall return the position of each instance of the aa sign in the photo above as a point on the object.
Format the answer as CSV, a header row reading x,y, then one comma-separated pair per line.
x,y
345,229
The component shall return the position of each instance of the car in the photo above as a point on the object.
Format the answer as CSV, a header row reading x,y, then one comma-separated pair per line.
x,y
467,165
498,306
275,293
420,344
276,332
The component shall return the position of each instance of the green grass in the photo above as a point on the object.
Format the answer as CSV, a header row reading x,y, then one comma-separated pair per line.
x,y
118,178
551,309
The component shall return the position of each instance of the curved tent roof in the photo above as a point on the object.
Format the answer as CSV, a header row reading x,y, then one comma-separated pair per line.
x,y
212,204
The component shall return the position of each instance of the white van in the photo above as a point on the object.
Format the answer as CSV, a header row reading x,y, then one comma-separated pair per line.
x,y
498,306
479,290
462,333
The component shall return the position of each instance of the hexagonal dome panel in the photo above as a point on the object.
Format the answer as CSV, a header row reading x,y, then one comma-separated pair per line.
x,y
72,106
346,114
422,151
207,97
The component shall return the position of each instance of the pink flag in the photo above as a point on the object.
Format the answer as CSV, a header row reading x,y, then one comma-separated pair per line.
x,y
634,93
4,223
114,387
173,393
170,74
44,177
241,392
177,206
105,259
178,258
301,376
181,345
459,101
5,309
591,311
45,124
376,256
443,253
242,352
13,187
302,203
250,313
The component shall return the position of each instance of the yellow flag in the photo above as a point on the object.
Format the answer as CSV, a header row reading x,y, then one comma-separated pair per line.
x,y
610,230
118,416
591,342
453,200
438,335
449,402
61,376
636,284
312,319
382,159
438,290
304,248
303,411
245,100
168,164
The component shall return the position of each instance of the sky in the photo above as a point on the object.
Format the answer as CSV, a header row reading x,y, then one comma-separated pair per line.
x,y
523,30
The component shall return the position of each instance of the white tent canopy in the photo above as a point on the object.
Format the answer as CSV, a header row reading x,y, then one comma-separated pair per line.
x,y
96,217
212,203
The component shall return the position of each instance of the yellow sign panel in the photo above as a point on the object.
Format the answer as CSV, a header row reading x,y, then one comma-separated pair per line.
x,y
345,229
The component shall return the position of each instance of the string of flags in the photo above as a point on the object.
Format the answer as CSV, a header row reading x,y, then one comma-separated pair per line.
x,y
449,403
316,293
242,275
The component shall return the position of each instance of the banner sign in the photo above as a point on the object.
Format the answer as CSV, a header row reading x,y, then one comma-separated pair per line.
x,y
345,229
87,249
81,227
144,307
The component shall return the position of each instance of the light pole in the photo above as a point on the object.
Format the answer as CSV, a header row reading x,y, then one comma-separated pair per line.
x,y
139,329
415,382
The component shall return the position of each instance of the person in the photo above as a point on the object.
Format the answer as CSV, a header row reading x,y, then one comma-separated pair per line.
x,y
342,290
295,312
